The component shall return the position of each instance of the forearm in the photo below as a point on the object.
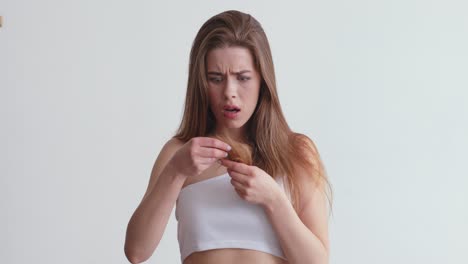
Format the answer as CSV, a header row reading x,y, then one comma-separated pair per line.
x,y
299,244
147,224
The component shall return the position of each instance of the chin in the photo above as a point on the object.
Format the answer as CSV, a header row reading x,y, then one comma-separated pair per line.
x,y
237,125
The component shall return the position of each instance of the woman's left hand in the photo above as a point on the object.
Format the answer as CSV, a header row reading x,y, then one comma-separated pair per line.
x,y
252,183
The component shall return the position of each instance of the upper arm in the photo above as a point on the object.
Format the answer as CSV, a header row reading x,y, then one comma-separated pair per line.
x,y
314,213
312,193
162,159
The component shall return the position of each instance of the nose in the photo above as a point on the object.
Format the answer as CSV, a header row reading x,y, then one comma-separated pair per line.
x,y
230,89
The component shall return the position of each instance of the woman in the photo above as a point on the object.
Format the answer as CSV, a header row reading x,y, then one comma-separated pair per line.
x,y
246,188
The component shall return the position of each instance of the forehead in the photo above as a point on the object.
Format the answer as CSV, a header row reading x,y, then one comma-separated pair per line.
x,y
229,58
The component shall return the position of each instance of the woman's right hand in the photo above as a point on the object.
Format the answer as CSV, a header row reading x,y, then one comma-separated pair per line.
x,y
198,154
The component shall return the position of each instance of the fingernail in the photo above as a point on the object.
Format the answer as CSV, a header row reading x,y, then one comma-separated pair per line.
x,y
229,148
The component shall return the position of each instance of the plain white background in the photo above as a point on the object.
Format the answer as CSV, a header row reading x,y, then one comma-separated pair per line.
x,y
91,90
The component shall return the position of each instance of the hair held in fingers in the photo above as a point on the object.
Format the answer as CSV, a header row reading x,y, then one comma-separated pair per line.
x,y
240,152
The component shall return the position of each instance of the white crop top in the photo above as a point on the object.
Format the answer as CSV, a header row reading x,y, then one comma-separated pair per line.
x,y
210,214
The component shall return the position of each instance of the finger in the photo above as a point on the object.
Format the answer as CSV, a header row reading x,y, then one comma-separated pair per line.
x,y
214,143
240,178
238,186
209,161
236,166
212,153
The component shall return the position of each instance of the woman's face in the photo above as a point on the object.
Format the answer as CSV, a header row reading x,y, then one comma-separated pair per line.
x,y
232,81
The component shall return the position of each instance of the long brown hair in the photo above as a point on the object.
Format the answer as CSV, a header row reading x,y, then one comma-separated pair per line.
x,y
275,147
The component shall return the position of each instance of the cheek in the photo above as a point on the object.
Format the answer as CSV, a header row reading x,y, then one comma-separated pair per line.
x,y
211,95
213,99
252,95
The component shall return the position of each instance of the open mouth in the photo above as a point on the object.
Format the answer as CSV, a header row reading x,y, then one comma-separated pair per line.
x,y
234,110
231,108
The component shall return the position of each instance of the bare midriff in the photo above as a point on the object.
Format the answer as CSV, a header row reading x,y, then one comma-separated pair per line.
x,y
232,256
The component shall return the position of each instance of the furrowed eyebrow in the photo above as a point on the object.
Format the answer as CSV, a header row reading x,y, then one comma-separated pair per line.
x,y
215,73
220,74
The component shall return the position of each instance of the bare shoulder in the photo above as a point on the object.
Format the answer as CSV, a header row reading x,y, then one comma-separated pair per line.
x,y
174,143
164,156
315,172
310,147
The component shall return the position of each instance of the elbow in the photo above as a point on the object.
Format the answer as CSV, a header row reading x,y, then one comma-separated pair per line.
x,y
134,256
322,258
326,258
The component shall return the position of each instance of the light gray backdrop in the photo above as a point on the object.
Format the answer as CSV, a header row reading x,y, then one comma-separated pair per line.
x,y
91,90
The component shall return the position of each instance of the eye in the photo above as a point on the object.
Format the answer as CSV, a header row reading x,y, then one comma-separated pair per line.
x,y
243,78
215,80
